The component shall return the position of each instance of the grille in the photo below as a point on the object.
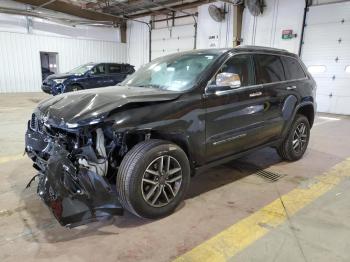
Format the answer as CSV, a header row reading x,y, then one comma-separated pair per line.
x,y
269,176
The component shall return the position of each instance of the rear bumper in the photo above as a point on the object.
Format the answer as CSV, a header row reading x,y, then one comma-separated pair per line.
x,y
74,196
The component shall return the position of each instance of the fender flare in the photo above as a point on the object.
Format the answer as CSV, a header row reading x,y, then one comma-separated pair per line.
x,y
290,110
73,83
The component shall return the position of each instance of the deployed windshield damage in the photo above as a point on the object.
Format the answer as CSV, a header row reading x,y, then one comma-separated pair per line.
x,y
173,72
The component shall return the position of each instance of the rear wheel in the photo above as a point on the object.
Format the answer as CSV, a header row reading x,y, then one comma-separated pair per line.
x,y
295,144
153,178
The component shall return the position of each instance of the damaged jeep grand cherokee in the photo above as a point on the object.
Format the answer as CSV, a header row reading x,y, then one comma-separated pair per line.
x,y
100,151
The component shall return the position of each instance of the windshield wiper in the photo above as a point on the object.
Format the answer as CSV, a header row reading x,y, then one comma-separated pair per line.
x,y
150,85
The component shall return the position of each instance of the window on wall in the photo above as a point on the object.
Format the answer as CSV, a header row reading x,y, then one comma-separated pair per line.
x,y
292,68
347,69
317,69
269,69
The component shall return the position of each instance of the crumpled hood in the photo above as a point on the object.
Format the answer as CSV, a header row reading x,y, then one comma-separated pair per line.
x,y
83,107
59,76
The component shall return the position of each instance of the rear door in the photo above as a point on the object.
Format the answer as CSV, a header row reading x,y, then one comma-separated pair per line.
x,y
235,117
270,74
115,74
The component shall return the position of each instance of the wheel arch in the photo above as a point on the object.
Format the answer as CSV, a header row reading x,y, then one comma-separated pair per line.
x,y
133,137
308,111
74,84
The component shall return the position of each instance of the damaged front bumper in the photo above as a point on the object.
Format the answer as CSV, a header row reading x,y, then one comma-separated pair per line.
x,y
75,196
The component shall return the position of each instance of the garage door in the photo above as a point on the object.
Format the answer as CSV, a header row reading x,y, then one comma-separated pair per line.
x,y
326,53
168,39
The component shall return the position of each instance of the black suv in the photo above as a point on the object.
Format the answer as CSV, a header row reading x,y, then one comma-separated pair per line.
x,y
135,147
91,75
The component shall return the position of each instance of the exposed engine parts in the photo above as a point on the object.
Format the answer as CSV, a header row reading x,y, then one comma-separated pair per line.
x,y
96,161
75,170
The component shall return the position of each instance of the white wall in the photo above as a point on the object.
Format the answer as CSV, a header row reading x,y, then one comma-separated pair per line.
x,y
266,29
20,69
138,42
221,31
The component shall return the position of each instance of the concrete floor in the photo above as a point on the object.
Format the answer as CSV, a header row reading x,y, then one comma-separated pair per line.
x,y
217,199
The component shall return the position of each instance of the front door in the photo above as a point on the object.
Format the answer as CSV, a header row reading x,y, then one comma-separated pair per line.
x,y
235,117
98,76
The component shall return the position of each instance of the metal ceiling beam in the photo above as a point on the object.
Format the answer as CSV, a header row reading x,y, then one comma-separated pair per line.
x,y
70,9
134,4
47,3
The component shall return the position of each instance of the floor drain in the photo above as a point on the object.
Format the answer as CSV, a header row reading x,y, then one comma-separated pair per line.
x,y
269,176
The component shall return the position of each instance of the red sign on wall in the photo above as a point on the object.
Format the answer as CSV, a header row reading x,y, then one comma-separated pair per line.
x,y
287,34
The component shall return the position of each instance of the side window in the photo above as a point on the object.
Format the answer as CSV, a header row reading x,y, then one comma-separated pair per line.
x,y
243,68
269,69
292,68
114,69
99,69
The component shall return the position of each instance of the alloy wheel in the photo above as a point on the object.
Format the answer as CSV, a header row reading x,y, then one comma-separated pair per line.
x,y
161,181
300,138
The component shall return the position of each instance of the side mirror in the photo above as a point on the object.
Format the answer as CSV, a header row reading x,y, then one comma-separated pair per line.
x,y
228,79
224,82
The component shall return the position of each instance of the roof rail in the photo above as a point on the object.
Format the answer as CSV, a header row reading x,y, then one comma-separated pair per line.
x,y
261,48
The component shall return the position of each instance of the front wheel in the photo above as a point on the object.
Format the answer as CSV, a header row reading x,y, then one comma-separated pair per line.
x,y
73,88
294,145
153,178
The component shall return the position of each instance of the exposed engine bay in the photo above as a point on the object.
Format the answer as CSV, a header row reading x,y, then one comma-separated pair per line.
x,y
76,170
78,141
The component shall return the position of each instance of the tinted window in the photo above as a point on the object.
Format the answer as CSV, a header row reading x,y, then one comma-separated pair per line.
x,y
292,68
269,69
113,69
242,65
99,69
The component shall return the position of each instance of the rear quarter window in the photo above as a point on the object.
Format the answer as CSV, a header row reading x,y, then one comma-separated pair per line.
x,y
114,69
292,68
269,69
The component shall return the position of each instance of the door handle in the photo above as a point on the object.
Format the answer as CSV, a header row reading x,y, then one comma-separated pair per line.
x,y
255,94
291,87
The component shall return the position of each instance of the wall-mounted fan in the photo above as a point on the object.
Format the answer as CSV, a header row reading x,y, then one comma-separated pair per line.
x,y
255,7
216,13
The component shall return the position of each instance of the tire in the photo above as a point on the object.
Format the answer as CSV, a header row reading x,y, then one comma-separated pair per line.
x,y
73,88
133,181
291,150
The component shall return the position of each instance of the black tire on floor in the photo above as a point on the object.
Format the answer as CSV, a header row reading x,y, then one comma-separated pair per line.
x,y
286,149
132,188
73,88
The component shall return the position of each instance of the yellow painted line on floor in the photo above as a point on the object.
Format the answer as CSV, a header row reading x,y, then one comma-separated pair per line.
x,y
234,239
4,159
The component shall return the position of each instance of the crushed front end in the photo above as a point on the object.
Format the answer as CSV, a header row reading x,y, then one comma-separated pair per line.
x,y
76,172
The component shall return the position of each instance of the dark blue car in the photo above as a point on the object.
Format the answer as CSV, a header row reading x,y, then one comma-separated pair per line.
x,y
87,76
